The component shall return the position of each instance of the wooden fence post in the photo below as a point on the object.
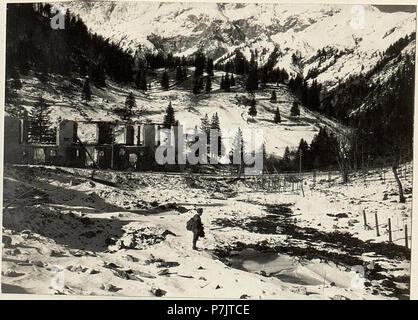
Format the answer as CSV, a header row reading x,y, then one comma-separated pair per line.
x,y
406,236
377,225
365,220
301,188
390,230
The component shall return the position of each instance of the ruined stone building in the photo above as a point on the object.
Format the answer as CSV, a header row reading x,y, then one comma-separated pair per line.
x,y
116,145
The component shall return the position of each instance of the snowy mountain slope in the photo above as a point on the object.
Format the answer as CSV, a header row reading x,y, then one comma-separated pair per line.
x,y
218,29
189,109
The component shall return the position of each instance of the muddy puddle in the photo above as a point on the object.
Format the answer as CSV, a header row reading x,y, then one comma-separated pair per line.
x,y
290,269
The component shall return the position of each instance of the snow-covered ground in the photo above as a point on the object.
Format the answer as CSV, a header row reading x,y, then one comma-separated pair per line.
x,y
123,233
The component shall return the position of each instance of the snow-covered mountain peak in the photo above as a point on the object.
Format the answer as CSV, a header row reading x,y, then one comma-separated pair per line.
x,y
355,34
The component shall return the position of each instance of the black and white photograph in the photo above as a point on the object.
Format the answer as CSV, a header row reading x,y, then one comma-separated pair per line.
x,y
208,150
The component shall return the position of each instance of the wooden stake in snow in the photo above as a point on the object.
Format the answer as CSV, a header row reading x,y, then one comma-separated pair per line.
x,y
365,220
377,225
301,188
390,230
406,236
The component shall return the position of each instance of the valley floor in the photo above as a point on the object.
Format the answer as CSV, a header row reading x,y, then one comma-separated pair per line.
x,y
78,232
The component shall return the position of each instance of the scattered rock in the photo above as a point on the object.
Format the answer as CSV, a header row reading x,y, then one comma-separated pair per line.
x,y
168,232
92,271
245,296
78,253
202,278
11,273
154,203
299,290
167,264
55,253
339,297
77,268
140,237
110,287
37,263
341,215
182,209
110,241
131,258
13,252
158,292
218,287
164,272
110,265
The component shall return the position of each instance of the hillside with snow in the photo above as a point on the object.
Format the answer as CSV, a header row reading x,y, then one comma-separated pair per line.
x,y
354,38
189,108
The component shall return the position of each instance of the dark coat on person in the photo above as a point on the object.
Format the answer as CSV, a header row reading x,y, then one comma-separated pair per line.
x,y
197,226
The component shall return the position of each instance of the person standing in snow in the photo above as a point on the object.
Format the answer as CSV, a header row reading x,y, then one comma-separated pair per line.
x,y
195,225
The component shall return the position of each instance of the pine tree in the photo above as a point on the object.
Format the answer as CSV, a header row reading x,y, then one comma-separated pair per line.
x,y
208,87
252,80
86,93
222,83
184,72
179,74
227,83
232,80
252,111
205,126
209,67
130,104
39,123
165,82
169,119
237,152
286,156
285,163
143,84
200,82
197,85
294,111
97,75
16,84
138,78
277,118
199,64
303,156
273,97
216,125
